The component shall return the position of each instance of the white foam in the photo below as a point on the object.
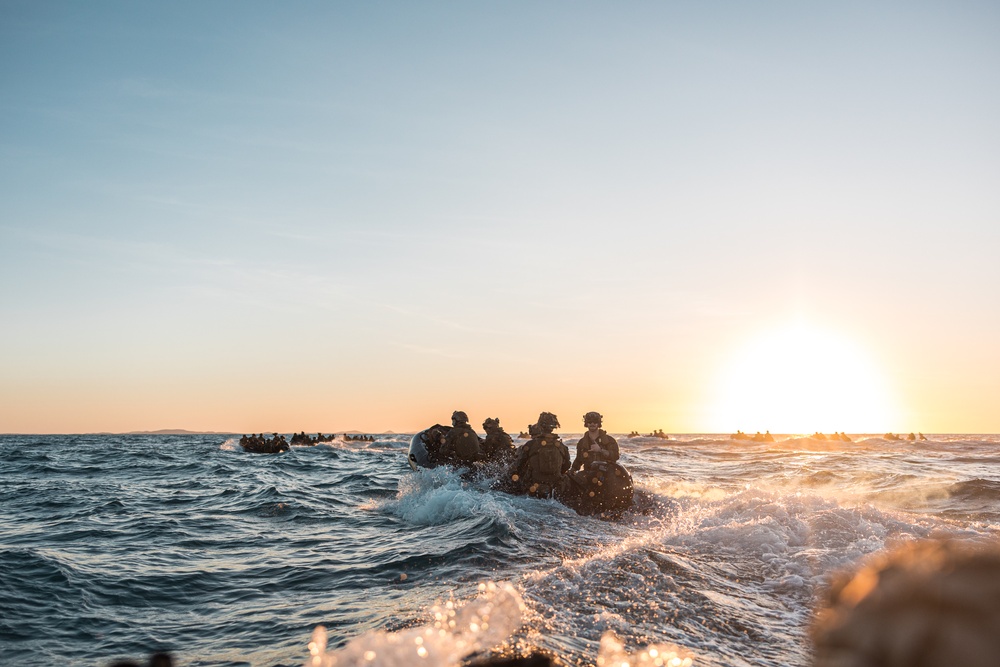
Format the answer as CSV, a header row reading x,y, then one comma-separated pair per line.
x,y
482,624
456,633
612,653
431,497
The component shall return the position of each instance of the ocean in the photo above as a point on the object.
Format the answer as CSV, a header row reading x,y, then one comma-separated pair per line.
x,y
114,546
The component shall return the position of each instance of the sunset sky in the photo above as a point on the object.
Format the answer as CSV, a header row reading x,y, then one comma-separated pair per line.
x,y
319,216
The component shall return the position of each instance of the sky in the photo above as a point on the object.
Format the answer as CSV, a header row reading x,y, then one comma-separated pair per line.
x,y
320,216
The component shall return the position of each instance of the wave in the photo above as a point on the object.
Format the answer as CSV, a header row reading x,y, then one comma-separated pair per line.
x,y
440,496
976,490
120,542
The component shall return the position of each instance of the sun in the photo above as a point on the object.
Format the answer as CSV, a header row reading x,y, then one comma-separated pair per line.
x,y
801,379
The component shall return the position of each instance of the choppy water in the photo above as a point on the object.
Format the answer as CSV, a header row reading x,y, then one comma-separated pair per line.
x,y
113,546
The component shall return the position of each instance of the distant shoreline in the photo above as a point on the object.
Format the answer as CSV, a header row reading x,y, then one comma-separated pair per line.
x,y
181,431
570,434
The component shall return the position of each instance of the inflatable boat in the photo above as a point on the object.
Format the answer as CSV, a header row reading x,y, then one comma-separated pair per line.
x,y
602,487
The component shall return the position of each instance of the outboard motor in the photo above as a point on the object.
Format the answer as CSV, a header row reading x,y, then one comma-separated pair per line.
x,y
424,447
600,487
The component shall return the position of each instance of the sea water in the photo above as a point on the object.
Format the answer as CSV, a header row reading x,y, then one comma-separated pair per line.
x,y
117,546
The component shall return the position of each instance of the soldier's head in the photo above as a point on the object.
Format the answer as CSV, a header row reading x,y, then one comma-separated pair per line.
x,y
593,420
547,422
459,418
491,424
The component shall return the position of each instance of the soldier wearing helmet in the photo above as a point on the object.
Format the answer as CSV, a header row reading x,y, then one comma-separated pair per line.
x,y
498,444
596,444
542,461
461,444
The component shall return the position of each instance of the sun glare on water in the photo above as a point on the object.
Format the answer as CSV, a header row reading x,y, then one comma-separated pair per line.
x,y
801,379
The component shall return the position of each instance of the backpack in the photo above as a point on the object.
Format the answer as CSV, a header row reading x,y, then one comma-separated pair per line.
x,y
467,444
548,462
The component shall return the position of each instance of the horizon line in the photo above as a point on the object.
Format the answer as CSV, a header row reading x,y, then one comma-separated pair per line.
x,y
181,431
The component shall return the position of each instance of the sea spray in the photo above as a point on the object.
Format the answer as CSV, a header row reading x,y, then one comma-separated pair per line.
x,y
179,543
457,633
612,653
481,624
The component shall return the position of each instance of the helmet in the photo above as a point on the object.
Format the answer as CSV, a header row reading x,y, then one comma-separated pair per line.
x,y
593,418
491,423
547,422
460,417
